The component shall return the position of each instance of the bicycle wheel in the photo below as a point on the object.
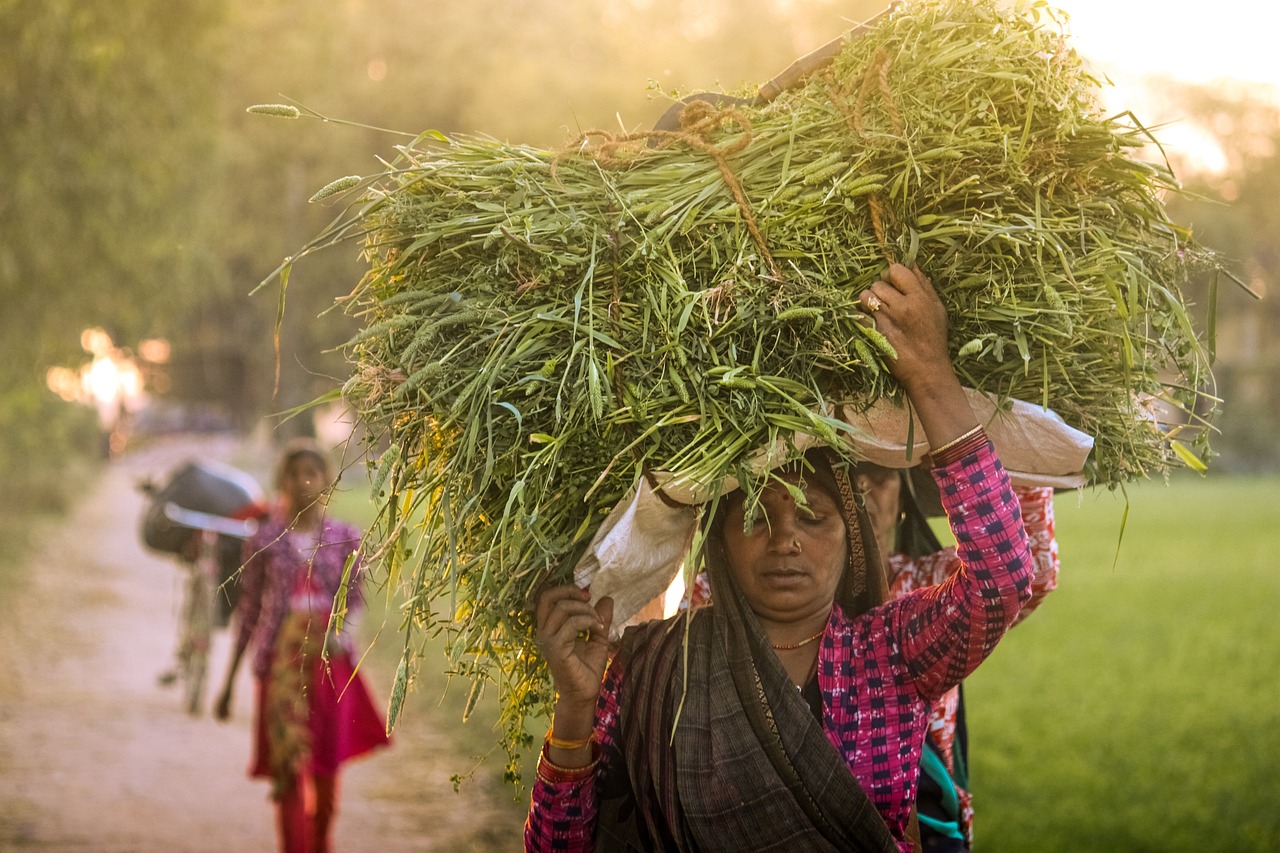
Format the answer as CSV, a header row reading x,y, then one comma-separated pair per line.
x,y
197,628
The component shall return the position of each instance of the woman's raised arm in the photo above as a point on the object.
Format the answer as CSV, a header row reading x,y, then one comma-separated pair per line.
x,y
907,311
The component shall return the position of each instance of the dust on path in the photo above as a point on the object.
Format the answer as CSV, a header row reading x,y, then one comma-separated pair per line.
x,y
95,756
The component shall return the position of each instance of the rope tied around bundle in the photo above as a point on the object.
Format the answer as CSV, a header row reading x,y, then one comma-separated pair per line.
x,y
698,121
874,78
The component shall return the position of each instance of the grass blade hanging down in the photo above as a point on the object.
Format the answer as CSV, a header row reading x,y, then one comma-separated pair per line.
x,y
569,321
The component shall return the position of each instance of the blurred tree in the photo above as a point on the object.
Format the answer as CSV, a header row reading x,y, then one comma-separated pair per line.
x,y
1232,209
103,114
140,197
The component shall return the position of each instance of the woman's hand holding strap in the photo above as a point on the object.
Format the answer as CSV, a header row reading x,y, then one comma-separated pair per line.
x,y
574,639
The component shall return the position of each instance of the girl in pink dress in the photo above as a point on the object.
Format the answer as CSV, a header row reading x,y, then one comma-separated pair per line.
x,y
313,709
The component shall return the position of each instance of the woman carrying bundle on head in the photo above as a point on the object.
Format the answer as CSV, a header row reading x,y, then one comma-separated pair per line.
x,y
899,503
790,715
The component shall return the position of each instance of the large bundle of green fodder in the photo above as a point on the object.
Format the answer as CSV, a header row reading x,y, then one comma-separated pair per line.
x,y
544,327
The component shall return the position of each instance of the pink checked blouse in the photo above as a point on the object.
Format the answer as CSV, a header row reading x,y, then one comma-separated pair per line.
x,y
880,674
275,561
910,573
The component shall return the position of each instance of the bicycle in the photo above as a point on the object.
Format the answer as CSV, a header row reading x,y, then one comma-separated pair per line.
x,y
201,590
205,535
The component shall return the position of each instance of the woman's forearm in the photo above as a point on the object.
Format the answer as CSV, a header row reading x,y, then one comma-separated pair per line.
x,y
942,407
564,804
571,734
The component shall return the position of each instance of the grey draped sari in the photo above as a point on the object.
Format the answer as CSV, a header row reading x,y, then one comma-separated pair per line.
x,y
717,750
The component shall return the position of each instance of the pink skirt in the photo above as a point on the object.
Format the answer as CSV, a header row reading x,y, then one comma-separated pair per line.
x,y
341,718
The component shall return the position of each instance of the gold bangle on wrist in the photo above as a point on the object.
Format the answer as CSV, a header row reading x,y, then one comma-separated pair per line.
x,y
935,451
560,743
552,773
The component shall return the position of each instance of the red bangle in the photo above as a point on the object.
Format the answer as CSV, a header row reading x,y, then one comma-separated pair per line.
x,y
553,774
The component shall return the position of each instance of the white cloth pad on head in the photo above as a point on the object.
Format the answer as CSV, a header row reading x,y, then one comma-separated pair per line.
x,y
639,547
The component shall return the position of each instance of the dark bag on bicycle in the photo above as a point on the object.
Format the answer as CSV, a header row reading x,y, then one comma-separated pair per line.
x,y
200,486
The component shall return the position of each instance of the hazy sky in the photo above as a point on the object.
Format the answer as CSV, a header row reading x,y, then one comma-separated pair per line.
x,y
1195,40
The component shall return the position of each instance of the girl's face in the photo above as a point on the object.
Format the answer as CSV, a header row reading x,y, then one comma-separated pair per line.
x,y
790,564
304,482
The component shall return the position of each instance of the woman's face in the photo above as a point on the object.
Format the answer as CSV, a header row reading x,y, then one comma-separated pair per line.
x,y
881,490
790,564
303,482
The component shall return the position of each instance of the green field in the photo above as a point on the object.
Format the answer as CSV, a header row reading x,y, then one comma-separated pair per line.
x,y
1136,711
1139,709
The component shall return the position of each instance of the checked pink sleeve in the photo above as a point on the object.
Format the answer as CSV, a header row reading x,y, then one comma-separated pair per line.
x,y
562,812
1036,505
943,632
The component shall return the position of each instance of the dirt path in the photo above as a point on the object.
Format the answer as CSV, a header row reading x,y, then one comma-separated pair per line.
x,y
95,756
